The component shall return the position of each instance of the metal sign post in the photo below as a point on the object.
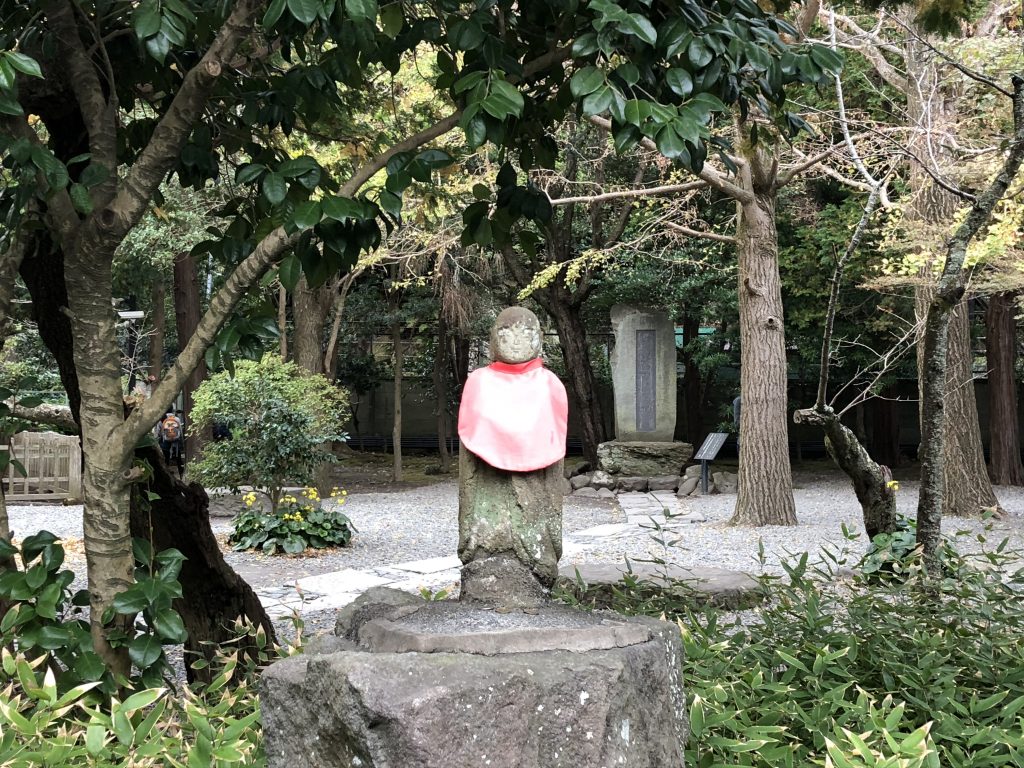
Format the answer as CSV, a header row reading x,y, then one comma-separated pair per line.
x,y
706,454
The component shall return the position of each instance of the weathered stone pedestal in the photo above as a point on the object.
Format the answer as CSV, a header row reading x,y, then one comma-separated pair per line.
x,y
643,458
411,684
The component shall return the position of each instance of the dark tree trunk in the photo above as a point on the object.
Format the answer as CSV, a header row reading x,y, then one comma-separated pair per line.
x,y
181,523
885,428
310,308
156,339
441,394
213,594
870,480
187,313
1004,465
693,384
582,386
396,430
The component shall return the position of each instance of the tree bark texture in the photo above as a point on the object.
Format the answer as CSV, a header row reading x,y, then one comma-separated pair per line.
x,y
310,308
870,480
213,594
765,489
440,374
396,431
948,294
282,322
693,384
885,428
968,488
1004,466
187,313
581,383
156,338
43,273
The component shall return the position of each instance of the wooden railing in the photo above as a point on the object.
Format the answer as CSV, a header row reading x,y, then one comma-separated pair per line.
x,y
53,467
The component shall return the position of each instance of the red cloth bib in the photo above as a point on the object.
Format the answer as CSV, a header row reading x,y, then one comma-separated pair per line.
x,y
514,417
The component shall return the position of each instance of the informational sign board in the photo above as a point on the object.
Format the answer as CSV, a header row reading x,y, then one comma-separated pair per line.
x,y
711,446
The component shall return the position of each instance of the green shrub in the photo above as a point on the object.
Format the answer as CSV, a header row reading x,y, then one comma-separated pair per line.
x,y
215,726
858,672
296,523
44,619
280,419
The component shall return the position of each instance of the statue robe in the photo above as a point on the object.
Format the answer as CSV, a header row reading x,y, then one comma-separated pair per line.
x,y
514,417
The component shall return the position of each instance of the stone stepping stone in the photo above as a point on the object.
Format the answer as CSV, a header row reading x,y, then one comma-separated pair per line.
x,y
338,582
431,565
709,585
609,531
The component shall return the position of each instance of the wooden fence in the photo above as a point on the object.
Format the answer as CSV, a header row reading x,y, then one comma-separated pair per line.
x,y
53,467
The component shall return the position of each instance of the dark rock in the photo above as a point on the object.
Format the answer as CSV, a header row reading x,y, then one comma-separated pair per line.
x,y
588,492
374,603
601,479
579,481
605,493
622,705
720,587
502,580
726,482
687,486
643,458
692,471
632,484
576,468
663,483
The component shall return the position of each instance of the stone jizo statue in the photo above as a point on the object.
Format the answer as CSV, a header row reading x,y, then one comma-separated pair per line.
x,y
512,426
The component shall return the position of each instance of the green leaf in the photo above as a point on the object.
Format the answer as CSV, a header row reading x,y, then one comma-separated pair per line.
x,y
340,208
670,144
639,26
289,271
9,106
390,202
142,699
503,100
249,172
80,198
24,64
275,188
392,19
680,81
130,601
435,158
826,58
585,81
274,12
146,19
361,10
699,54
158,46
304,11
170,626
95,738
306,214
476,132
599,101
144,650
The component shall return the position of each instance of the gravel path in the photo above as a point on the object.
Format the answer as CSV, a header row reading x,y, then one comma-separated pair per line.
x,y
421,523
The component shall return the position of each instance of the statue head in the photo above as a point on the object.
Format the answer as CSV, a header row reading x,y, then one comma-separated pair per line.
x,y
516,336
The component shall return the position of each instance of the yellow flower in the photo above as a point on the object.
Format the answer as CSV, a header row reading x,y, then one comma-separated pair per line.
x,y
893,485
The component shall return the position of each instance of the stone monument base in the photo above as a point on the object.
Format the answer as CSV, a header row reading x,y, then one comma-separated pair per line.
x,y
643,458
433,685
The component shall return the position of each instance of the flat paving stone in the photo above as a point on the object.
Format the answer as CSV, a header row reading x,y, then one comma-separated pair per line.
x,y
431,565
347,580
608,530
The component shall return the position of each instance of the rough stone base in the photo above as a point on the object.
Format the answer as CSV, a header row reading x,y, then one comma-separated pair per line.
x,y
643,459
703,586
548,688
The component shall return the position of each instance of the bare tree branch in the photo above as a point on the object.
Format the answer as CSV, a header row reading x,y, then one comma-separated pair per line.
x,y
698,234
173,129
224,301
668,189
51,415
712,176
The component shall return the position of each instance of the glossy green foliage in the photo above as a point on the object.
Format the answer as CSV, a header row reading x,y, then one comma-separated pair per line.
x,y
296,523
279,417
45,619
